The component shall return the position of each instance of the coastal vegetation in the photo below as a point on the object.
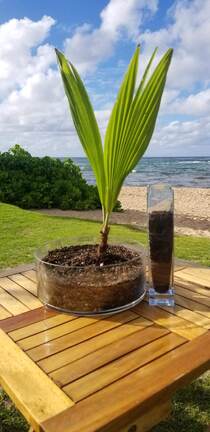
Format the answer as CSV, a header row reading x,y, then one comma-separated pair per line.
x,y
33,182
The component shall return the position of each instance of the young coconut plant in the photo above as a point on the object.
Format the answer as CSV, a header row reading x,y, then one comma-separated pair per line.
x,y
129,129
72,278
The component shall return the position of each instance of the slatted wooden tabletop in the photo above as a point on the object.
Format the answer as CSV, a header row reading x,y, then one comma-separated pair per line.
x,y
76,374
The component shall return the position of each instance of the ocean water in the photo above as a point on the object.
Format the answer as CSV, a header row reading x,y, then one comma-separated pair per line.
x,y
177,171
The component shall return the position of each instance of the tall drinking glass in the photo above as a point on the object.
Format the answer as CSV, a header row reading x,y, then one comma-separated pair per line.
x,y
160,208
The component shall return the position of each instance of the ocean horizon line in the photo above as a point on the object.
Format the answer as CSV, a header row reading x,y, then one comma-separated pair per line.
x,y
179,171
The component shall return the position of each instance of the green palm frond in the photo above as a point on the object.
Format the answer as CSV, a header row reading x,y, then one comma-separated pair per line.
x,y
130,126
131,134
117,126
84,120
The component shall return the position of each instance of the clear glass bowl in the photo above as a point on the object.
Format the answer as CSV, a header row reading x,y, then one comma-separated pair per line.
x,y
91,290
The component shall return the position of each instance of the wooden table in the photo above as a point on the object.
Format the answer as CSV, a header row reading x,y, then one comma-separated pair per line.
x,y
68,374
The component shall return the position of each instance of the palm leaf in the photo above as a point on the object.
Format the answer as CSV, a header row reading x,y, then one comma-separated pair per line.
x,y
146,72
130,127
84,120
117,124
130,135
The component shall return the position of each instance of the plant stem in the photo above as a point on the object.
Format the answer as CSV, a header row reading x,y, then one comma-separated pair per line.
x,y
104,236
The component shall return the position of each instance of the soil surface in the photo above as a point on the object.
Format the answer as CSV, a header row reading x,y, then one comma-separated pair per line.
x,y
86,255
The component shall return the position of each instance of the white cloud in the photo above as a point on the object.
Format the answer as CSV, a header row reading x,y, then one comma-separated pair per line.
x,y
189,33
33,107
17,39
197,104
125,15
185,138
88,47
187,92
37,115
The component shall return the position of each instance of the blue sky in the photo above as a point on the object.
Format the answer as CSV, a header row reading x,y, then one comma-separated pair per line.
x,y
99,37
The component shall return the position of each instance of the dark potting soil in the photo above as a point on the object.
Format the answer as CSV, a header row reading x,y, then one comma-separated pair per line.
x,y
86,255
161,234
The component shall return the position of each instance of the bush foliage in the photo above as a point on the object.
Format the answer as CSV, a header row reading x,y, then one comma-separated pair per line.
x,y
33,182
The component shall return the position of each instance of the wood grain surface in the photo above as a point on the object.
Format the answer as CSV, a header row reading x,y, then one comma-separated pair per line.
x,y
89,374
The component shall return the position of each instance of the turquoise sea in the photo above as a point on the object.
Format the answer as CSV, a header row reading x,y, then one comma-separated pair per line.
x,y
178,171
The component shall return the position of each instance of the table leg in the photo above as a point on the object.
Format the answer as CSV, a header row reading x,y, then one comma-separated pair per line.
x,y
147,420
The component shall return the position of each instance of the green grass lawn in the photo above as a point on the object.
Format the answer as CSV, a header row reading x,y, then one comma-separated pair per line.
x,y
23,231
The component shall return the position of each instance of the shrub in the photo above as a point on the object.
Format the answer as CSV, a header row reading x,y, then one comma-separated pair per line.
x,y
33,182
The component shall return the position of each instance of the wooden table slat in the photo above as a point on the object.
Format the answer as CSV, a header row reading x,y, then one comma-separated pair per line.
x,y
188,315
40,326
179,267
101,374
107,354
174,323
198,298
137,391
192,287
189,311
25,297
37,397
106,375
79,350
10,303
198,271
4,313
30,274
189,304
195,276
58,332
26,318
26,283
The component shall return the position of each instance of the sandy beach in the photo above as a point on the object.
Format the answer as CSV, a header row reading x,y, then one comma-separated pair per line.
x,y
192,208
193,202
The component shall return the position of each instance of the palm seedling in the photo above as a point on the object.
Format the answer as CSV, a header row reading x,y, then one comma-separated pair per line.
x,y
129,129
